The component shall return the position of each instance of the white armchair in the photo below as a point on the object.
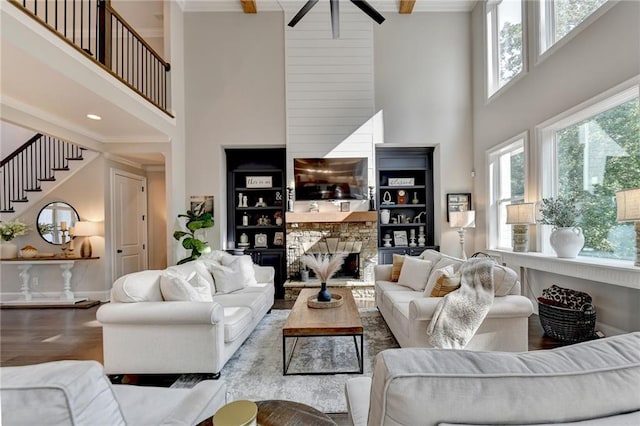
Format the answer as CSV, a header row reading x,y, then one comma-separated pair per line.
x,y
78,393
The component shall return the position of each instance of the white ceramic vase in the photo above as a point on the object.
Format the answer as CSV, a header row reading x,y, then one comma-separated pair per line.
x,y
385,216
567,242
8,250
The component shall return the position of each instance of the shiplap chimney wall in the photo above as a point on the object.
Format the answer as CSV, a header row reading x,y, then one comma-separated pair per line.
x,y
329,86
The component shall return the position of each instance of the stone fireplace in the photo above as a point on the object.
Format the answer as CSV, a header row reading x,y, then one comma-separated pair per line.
x,y
329,232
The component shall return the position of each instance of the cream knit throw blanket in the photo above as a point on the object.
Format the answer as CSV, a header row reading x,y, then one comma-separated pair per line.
x,y
460,313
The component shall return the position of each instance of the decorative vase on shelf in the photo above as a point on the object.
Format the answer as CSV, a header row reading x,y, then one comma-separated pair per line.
x,y
323,294
385,216
8,250
415,199
567,242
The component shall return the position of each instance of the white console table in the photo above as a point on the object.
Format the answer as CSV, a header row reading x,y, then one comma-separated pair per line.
x,y
66,265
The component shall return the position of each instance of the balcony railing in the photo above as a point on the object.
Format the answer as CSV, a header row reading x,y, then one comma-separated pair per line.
x,y
95,28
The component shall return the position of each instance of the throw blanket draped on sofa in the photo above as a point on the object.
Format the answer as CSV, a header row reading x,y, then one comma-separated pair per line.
x,y
460,313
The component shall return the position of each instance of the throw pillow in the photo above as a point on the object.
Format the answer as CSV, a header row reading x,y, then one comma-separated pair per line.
x,y
433,278
199,266
414,273
227,278
243,266
398,260
504,280
446,283
177,288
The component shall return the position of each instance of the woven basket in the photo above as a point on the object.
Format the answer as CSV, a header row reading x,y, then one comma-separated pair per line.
x,y
568,325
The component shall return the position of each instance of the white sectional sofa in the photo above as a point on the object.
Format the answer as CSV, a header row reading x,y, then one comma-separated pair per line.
x,y
78,393
408,311
186,319
586,384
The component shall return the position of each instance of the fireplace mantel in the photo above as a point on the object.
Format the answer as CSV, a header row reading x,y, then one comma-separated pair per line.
x,y
327,217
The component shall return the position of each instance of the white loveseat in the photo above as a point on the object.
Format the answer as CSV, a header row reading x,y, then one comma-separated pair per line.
x,y
587,384
164,322
78,393
407,310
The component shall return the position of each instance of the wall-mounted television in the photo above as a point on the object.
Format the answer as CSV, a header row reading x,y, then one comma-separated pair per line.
x,y
331,178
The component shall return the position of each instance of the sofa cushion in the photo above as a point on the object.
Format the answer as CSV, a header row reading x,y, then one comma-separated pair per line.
x,y
236,321
177,288
504,280
398,261
58,393
199,267
415,273
448,282
432,255
244,266
254,301
143,286
448,260
436,274
588,380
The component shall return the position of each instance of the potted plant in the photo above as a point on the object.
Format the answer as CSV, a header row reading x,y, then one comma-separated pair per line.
x,y
8,231
562,213
196,219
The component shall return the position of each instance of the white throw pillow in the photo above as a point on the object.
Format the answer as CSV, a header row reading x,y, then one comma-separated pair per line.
x,y
414,273
199,266
504,279
227,279
177,288
435,276
243,265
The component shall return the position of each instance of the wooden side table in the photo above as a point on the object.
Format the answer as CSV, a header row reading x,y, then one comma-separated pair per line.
x,y
290,413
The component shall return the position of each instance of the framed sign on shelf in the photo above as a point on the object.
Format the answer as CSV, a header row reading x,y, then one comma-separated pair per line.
x,y
459,202
400,239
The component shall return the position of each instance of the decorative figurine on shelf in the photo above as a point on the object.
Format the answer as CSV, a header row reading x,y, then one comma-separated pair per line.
x,y
372,200
386,198
245,219
290,197
418,218
240,203
261,202
412,238
387,240
244,240
415,199
278,218
421,237
402,196
245,201
278,199
314,207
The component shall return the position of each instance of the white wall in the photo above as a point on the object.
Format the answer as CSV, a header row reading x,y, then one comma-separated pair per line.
x,y
601,56
234,91
423,92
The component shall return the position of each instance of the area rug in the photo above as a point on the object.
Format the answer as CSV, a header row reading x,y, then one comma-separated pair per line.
x,y
255,371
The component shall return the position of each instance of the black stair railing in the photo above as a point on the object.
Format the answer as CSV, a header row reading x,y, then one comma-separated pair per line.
x,y
34,162
99,31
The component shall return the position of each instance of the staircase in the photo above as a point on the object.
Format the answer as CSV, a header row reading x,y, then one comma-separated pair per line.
x,y
36,167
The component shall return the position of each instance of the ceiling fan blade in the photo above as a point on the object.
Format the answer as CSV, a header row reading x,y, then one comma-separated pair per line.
x,y
369,10
306,8
335,18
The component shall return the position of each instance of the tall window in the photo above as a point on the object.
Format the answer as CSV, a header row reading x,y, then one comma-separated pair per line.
x,y
559,17
589,155
505,55
507,183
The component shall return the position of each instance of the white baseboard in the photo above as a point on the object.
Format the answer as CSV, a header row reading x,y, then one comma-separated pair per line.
x,y
102,296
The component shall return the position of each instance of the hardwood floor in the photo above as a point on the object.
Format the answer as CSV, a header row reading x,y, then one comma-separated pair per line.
x,y
30,336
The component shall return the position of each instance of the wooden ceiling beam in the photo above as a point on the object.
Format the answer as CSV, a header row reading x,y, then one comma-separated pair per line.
x,y
249,6
406,6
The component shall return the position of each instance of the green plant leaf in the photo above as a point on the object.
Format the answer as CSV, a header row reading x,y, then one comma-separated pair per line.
x,y
179,234
194,225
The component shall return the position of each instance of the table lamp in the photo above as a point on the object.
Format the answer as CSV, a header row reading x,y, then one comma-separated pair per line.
x,y
86,229
520,216
628,204
462,220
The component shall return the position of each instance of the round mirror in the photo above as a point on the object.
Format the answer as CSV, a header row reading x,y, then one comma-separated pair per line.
x,y
53,219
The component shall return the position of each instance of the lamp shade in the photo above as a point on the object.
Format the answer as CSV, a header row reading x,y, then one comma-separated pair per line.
x,y
86,229
521,214
628,204
465,219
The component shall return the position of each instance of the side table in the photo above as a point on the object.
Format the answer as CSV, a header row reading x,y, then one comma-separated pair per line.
x,y
289,413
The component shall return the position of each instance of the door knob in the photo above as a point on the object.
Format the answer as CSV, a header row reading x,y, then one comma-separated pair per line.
x,y
118,251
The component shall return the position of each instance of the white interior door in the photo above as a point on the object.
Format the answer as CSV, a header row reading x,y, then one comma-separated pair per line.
x,y
129,223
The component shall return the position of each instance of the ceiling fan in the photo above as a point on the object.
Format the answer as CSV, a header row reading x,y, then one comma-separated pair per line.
x,y
335,13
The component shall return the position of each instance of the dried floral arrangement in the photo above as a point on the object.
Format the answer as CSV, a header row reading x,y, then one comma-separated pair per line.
x,y
324,265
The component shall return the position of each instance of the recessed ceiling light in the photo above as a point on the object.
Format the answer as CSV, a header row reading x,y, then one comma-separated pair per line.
x,y
94,117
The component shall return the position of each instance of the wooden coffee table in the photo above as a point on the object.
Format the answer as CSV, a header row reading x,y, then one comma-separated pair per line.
x,y
304,321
